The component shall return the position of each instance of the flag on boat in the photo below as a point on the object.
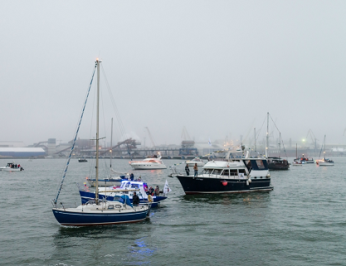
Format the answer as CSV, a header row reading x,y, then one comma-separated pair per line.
x,y
166,188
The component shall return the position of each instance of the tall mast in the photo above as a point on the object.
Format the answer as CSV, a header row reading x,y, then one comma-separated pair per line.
x,y
255,139
267,136
296,152
111,150
324,146
280,144
97,131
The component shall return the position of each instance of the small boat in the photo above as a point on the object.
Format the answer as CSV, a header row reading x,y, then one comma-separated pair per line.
x,y
151,163
12,167
304,159
96,211
196,160
82,160
127,187
235,174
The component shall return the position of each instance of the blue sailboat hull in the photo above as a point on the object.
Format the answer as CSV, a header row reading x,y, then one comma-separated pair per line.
x,y
86,196
68,218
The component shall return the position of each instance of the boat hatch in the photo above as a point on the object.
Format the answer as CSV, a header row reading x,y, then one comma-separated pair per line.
x,y
259,165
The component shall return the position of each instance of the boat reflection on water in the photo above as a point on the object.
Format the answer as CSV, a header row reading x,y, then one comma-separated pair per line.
x,y
228,199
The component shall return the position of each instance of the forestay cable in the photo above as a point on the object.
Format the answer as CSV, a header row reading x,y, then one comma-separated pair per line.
x,y
75,138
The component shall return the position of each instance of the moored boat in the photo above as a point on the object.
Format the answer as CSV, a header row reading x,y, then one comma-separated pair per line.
x,y
324,161
277,163
236,175
127,187
97,212
151,163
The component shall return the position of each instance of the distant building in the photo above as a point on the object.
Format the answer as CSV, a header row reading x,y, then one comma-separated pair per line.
x,y
16,152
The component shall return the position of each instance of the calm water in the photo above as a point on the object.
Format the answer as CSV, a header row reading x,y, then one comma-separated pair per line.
x,y
301,222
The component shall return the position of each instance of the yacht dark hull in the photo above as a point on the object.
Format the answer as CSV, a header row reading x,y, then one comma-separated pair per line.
x,y
88,219
278,166
202,185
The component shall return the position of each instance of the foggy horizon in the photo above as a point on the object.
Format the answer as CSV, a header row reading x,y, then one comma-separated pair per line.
x,y
215,68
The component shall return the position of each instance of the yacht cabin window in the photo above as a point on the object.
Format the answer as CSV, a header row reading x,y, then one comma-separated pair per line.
x,y
225,172
216,172
233,172
242,171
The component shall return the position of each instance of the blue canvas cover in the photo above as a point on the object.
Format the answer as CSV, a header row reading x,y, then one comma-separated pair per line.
x,y
125,199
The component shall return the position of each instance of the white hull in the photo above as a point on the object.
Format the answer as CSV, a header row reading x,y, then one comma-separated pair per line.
x,y
147,166
8,169
296,164
325,164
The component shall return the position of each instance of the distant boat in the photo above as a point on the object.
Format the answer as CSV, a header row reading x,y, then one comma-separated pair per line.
x,y
12,167
82,160
151,163
97,212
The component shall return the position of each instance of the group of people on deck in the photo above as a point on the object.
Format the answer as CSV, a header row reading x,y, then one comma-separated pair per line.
x,y
195,168
151,191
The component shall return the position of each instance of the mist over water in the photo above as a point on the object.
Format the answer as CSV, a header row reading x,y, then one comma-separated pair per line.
x,y
300,222
214,67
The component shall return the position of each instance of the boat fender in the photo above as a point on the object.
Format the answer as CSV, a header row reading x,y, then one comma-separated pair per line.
x,y
150,199
224,183
247,182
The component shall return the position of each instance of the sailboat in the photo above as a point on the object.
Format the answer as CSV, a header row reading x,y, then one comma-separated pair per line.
x,y
96,211
324,161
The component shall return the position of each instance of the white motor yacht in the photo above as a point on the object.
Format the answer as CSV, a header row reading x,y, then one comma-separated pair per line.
x,y
148,164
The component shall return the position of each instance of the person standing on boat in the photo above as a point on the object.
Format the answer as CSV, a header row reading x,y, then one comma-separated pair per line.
x,y
187,169
135,199
196,169
157,191
132,176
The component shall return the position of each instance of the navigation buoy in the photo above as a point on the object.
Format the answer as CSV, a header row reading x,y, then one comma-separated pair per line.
x,y
224,183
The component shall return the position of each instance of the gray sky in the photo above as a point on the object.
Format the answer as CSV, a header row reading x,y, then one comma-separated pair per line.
x,y
215,67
